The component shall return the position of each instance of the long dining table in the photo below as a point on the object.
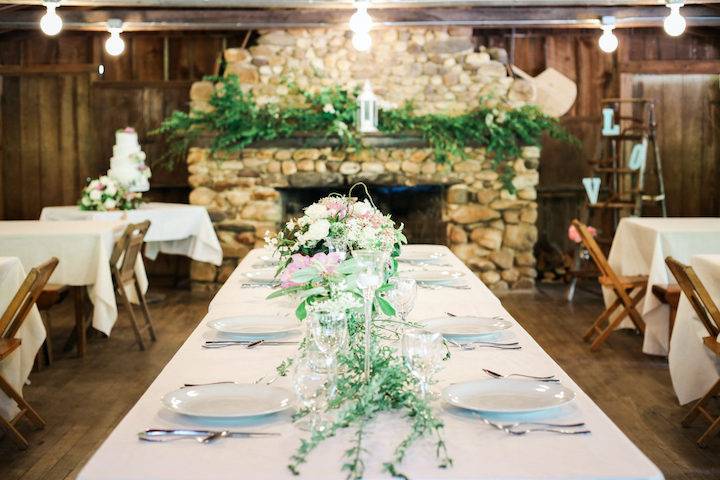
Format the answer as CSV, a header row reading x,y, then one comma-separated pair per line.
x,y
478,450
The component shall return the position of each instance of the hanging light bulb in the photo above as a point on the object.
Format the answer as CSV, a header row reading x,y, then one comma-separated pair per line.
x,y
51,23
608,42
361,21
361,41
674,23
114,45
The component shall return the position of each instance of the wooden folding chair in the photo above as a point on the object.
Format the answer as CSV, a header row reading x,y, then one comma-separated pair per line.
x,y
122,264
629,290
10,322
709,315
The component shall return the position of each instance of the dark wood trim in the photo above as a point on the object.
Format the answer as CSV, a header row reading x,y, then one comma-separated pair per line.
x,y
671,66
49,69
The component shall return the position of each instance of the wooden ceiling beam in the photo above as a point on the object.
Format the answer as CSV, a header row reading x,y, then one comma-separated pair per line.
x,y
244,19
343,4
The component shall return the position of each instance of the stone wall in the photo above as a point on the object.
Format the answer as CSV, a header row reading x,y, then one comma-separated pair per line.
x,y
440,70
492,231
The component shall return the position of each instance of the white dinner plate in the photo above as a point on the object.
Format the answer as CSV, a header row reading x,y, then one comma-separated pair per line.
x,y
421,257
504,395
440,277
228,400
267,261
263,275
467,326
255,327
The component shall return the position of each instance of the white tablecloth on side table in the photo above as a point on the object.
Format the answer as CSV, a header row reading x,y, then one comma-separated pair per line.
x,y
175,228
84,250
640,247
694,368
478,451
16,368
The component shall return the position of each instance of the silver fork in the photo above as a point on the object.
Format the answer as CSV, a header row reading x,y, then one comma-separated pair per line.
x,y
549,378
438,287
546,427
474,345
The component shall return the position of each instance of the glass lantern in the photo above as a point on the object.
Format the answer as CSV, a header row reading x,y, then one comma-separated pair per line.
x,y
367,110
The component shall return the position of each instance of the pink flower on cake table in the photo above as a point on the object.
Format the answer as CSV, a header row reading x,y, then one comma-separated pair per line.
x,y
574,235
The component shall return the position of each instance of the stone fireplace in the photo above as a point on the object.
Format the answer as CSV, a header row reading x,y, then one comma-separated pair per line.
x,y
462,204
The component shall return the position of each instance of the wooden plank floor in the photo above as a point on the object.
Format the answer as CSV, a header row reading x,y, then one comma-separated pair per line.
x,y
83,400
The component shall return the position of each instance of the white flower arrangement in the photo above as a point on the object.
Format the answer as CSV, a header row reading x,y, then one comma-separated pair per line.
x,y
105,194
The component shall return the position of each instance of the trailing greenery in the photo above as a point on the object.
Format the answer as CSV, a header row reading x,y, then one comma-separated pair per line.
x,y
391,388
236,121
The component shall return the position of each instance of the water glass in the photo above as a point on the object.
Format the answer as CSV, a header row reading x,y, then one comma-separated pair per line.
x,y
328,330
423,354
314,383
370,274
402,294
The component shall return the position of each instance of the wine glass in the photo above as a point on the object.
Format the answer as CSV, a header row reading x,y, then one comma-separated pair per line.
x,y
371,270
422,351
328,330
337,245
314,377
402,295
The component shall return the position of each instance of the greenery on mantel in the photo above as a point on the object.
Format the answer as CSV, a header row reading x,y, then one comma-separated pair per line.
x,y
236,121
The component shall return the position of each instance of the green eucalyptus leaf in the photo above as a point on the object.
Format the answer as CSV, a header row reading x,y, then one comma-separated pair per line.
x,y
385,306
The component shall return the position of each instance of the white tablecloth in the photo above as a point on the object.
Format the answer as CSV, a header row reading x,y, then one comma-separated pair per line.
x,y
16,368
640,247
175,228
478,451
84,250
694,368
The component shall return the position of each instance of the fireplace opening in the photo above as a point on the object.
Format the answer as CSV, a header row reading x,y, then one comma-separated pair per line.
x,y
418,208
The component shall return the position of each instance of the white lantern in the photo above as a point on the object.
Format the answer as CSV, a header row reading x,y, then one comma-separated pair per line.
x,y
367,110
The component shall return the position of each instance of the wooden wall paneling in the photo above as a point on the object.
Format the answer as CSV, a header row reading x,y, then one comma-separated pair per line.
x,y
69,154
50,166
206,51
30,147
86,133
692,96
147,57
181,67
530,53
11,161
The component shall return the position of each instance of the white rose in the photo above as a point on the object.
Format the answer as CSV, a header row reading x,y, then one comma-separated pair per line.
x,y
362,208
111,189
109,204
318,230
317,211
95,195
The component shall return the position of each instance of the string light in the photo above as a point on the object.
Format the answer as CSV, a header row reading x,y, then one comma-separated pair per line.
x,y
674,23
51,23
608,42
114,45
361,42
360,24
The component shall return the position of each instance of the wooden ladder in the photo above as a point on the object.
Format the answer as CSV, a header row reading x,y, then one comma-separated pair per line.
x,y
625,184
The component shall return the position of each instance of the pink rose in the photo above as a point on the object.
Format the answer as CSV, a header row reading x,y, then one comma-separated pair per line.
x,y
574,235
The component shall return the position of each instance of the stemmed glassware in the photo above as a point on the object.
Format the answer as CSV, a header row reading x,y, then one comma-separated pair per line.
x,y
423,353
371,270
402,295
328,330
314,383
337,245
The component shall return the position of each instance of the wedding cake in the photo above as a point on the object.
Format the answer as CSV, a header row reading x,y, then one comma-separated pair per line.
x,y
127,165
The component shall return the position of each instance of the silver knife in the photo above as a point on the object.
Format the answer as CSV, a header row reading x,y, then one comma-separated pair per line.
x,y
156,434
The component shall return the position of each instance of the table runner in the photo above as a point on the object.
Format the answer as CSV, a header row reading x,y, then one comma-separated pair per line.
x,y
16,368
175,229
694,368
478,451
84,250
640,247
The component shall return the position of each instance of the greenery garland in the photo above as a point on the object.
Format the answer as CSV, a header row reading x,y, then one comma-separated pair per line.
x,y
236,120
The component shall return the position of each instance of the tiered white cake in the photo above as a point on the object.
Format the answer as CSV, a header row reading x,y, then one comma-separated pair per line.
x,y
127,165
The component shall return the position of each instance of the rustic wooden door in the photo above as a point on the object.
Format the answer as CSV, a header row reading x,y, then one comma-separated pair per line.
x,y
47,139
688,112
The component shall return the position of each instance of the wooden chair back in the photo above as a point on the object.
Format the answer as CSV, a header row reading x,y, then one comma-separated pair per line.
x,y
127,249
698,296
596,252
26,296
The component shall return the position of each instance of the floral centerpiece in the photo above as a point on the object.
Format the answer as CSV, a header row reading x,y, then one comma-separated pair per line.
x,y
104,194
317,268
